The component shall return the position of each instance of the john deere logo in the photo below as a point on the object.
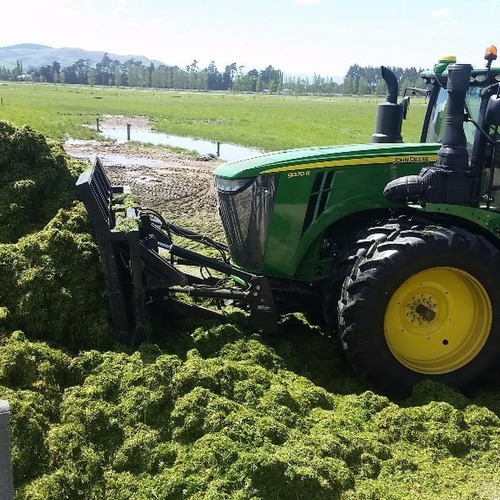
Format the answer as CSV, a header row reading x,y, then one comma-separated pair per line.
x,y
412,159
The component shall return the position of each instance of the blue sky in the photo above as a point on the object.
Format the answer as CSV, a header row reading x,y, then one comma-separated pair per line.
x,y
297,36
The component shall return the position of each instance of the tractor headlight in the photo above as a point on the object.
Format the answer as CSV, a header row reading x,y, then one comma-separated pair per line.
x,y
231,186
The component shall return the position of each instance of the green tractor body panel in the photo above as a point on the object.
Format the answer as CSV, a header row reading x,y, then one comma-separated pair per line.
x,y
312,189
485,218
322,157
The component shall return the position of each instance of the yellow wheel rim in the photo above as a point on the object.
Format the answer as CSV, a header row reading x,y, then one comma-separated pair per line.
x,y
438,320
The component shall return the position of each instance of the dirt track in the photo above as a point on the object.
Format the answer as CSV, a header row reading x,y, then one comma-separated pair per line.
x,y
176,184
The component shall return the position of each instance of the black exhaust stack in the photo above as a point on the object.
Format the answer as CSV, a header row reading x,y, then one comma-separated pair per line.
x,y
450,179
390,114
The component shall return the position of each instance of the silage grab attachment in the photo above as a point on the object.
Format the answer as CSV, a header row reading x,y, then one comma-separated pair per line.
x,y
141,271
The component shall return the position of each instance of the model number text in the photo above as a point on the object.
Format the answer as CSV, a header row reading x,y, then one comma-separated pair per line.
x,y
302,173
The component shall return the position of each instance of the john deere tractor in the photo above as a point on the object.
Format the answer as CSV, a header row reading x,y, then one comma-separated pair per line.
x,y
393,247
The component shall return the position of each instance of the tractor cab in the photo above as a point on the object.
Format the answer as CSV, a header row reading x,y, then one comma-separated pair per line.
x,y
480,130
462,116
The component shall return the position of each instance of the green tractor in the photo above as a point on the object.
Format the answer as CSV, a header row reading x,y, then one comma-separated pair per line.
x,y
394,248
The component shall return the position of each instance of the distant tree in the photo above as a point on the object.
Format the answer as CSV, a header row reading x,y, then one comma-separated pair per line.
x,y
69,74
159,77
46,74
118,76
370,79
56,69
228,76
214,78
246,82
104,71
253,75
170,77
18,71
77,72
91,76
318,84
333,86
363,87
82,68
258,85
272,79
137,74
295,85
149,75
180,78
348,87
192,75
353,75
380,88
202,81
5,74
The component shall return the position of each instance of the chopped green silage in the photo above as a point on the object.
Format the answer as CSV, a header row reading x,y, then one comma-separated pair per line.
x,y
52,287
36,181
209,411
234,423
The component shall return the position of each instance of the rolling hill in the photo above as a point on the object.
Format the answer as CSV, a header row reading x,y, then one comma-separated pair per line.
x,y
33,55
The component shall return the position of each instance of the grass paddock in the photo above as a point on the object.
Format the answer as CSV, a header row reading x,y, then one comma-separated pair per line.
x,y
268,122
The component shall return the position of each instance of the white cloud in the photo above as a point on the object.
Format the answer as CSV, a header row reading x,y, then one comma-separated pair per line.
x,y
309,2
445,18
441,13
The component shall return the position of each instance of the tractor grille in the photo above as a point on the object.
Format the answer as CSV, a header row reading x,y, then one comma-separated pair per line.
x,y
318,198
245,216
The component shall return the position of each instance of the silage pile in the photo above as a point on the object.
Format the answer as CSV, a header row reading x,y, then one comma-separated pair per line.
x,y
51,285
211,411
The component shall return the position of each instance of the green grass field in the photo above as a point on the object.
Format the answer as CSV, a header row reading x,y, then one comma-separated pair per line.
x,y
267,122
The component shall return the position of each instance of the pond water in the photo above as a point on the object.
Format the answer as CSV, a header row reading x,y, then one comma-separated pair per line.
x,y
227,152
115,159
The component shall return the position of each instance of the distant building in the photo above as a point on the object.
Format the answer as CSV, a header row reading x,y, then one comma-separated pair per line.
x,y
24,78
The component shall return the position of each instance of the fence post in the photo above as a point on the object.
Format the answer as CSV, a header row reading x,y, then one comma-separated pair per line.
x,y
128,131
6,479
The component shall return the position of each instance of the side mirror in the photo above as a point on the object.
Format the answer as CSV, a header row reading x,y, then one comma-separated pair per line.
x,y
405,103
492,115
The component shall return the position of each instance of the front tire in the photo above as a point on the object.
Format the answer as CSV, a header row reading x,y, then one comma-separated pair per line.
x,y
423,304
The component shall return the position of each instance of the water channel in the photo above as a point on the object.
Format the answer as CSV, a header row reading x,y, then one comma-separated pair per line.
x,y
227,152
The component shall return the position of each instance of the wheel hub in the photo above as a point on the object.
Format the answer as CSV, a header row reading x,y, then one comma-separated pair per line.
x,y
438,320
422,309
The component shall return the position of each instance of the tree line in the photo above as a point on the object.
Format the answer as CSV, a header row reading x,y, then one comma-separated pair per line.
x,y
108,72
368,80
132,73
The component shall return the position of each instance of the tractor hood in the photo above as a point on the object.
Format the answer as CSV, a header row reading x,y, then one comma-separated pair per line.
x,y
326,157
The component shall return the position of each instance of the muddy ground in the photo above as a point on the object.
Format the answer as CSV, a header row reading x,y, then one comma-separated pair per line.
x,y
175,184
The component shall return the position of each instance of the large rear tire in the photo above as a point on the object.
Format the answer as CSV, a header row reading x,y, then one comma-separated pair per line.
x,y
344,263
423,304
